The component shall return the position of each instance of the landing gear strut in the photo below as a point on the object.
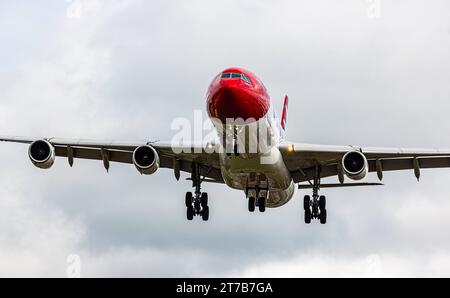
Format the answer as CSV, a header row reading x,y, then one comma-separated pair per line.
x,y
315,208
231,141
197,203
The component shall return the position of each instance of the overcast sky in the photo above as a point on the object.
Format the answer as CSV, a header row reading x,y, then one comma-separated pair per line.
x,y
355,73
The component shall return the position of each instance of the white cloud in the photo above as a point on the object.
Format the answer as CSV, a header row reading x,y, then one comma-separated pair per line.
x,y
35,237
386,265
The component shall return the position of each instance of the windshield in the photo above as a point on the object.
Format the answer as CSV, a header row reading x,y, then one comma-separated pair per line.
x,y
235,76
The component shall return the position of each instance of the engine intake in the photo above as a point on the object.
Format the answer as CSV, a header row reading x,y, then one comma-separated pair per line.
x,y
42,154
355,165
146,160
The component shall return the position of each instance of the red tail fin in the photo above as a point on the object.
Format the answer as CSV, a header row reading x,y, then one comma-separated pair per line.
x,y
284,114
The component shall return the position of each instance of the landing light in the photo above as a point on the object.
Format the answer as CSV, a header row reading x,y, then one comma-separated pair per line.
x,y
291,148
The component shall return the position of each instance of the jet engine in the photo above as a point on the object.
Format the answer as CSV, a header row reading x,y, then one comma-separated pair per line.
x,y
355,165
146,160
42,154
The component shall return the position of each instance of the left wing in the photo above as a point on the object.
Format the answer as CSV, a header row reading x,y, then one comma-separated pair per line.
x,y
122,152
302,159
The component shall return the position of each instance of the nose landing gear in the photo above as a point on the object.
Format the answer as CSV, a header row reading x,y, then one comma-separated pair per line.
x,y
257,201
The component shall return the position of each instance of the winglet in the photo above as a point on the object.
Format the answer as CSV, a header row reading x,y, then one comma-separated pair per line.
x,y
284,115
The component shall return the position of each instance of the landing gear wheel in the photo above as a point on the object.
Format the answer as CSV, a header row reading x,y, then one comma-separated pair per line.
x,y
251,204
306,202
205,213
323,216
262,204
322,203
190,213
188,199
204,199
307,216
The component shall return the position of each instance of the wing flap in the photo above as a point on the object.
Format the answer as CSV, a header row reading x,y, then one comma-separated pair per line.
x,y
395,164
337,185
95,154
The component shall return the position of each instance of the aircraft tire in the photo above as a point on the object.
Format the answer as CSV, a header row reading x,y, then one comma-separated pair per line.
x,y
306,202
262,204
205,213
308,216
204,199
323,216
188,199
251,204
190,213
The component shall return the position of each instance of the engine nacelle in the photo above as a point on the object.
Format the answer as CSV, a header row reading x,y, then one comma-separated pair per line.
x,y
146,160
355,165
42,154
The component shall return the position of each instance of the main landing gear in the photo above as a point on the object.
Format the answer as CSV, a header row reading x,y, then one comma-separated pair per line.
x,y
197,203
315,208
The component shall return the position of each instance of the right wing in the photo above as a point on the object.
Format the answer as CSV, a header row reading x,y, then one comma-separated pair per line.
x,y
302,159
122,152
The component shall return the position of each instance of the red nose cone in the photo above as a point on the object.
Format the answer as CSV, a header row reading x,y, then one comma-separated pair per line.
x,y
234,100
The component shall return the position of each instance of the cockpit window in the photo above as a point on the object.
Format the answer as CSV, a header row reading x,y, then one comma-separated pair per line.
x,y
246,78
236,76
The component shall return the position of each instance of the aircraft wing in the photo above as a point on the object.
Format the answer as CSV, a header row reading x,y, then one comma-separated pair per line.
x,y
302,159
122,152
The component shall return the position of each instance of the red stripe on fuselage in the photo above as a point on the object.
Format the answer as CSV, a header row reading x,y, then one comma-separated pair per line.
x,y
235,98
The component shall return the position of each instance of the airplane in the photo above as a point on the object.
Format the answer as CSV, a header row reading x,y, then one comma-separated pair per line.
x,y
268,176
